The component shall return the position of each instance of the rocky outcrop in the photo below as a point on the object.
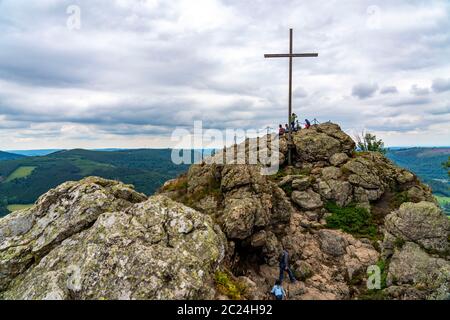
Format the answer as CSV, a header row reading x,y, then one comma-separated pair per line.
x,y
245,200
414,274
99,239
263,214
322,142
422,223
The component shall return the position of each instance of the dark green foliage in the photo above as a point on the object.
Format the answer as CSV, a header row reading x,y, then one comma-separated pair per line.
x,y
147,170
351,219
369,142
9,156
399,243
287,188
398,199
384,266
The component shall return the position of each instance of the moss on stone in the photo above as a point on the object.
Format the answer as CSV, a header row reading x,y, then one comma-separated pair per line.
x,y
226,285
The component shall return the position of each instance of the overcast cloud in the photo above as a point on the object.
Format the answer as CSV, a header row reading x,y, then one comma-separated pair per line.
x,y
138,69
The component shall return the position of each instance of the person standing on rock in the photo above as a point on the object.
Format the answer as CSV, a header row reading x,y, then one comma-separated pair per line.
x,y
286,128
293,119
307,124
278,291
284,267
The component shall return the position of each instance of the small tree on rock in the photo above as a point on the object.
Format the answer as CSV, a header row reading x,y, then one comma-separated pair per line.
x,y
369,142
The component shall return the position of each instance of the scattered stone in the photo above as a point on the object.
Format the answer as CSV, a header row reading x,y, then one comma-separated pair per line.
x,y
301,184
338,159
308,200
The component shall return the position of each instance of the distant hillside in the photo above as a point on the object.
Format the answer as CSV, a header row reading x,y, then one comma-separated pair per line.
x,y
427,164
9,156
34,153
23,180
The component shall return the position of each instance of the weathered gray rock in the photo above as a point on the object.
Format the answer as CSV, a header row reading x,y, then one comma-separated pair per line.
x,y
423,223
289,179
99,245
307,200
405,177
332,243
301,184
364,174
331,173
322,142
338,191
418,275
338,159
26,236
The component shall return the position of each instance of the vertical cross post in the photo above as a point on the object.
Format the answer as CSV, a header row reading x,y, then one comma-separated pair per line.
x,y
291,55
290,97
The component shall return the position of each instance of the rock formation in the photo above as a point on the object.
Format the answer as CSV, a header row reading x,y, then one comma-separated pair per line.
x,y
217,231
99,239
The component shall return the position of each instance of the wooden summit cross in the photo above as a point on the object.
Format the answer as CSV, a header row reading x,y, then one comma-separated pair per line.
x,y
291,55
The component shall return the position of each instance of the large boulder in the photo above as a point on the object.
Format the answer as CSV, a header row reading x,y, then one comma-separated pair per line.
x,y
321,142
99,239
423,223
27,236
414,274
337,191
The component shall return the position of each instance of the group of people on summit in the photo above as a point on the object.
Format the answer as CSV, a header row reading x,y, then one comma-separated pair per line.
x,y
295,125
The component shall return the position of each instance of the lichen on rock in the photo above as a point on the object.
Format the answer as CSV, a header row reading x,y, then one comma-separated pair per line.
x,y
143,249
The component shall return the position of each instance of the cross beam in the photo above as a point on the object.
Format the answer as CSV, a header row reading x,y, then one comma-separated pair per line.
x,y
294,55
291,55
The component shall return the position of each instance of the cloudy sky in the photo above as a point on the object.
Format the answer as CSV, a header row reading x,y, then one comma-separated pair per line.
x,y
137,69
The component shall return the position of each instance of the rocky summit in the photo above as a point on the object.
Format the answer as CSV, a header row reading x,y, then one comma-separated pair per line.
x,y
217,231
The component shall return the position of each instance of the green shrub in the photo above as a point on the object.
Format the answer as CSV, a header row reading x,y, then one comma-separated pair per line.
x,y
227,286
398,199
383,265
351,219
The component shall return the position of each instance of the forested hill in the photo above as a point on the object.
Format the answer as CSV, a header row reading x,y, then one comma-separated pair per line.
x,y
427,164
9,156
23,180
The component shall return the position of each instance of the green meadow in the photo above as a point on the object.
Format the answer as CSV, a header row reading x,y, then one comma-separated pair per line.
x,y
20,173
16,207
